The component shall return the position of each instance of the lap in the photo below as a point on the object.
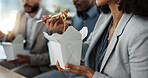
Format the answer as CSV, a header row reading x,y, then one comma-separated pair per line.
x,y
25,69
57,74
8,65
51,74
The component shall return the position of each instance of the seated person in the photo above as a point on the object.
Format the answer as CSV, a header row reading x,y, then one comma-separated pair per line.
x,y
86,15
117,46
26,25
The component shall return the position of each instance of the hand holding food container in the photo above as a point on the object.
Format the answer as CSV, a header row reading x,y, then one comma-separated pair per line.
x,y
65,48
13,48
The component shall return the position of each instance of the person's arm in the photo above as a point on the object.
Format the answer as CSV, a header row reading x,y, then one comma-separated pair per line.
x,y
33,59
82,70
138,52
138,58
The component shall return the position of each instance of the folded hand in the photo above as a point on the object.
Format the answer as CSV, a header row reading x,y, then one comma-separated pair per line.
x,y
82,70
22,60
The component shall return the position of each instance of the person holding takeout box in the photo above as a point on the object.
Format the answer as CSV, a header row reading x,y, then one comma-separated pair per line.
x,y
117,48
32,31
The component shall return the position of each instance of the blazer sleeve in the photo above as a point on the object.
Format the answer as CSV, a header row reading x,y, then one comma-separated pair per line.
x,y
40,59
138,52
18,22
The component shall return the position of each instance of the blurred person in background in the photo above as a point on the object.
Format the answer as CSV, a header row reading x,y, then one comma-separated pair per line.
x,y
86,15
26,25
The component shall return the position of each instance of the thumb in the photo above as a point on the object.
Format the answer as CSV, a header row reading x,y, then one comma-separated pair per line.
x,y
71,66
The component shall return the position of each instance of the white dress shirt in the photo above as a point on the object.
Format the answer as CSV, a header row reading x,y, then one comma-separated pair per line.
x,y
31,27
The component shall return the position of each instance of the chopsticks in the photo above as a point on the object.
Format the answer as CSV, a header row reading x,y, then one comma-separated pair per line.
x,y
51,17
64,17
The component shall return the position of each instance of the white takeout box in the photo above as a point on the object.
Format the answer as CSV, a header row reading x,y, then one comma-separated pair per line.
x,y
14,48
66,48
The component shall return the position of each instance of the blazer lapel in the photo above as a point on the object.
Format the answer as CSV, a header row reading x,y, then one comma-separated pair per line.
x,y
39,27
118,32
23,24
20,26
106,19
37,32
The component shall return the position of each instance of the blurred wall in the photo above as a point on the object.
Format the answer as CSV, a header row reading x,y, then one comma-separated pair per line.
x,y
53,5
9,9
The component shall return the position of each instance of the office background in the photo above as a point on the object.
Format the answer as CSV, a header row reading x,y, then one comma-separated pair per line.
x,y
9,9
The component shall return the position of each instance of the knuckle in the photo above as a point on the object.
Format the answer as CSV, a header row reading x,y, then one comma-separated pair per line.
x,y
78,68
60,70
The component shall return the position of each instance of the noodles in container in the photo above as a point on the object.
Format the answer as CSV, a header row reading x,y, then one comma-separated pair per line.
x,y
63,14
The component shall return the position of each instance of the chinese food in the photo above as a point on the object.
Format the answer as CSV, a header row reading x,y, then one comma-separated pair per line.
x,y
64,17
63,14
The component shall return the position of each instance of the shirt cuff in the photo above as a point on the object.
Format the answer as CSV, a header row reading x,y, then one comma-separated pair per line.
x,y
32,60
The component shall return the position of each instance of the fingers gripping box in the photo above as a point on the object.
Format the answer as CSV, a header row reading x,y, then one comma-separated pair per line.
x,y
66,48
